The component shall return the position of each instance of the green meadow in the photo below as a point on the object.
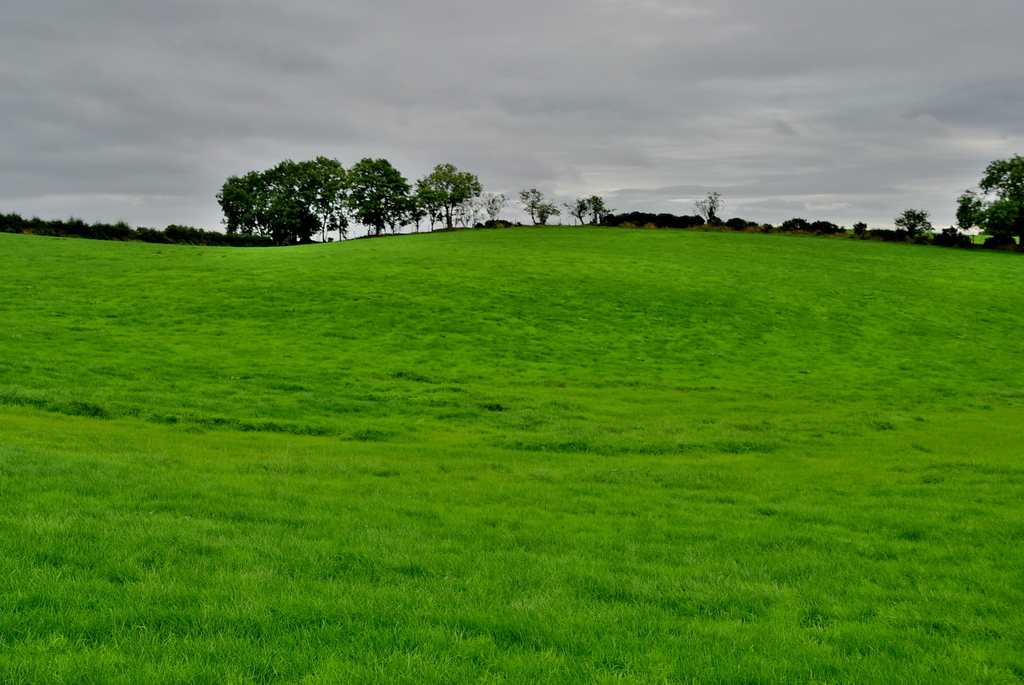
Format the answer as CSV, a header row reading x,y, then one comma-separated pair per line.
x,y
531,455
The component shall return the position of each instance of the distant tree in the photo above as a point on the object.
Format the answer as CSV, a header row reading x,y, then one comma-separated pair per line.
x,y
533,203
796,225
999,208
708,208
529,200
597,209
860,228
379,196
245,201
970,210
417,212
470,211
451,188
592,207
430,201
293,214
493,204
578,208
327,188
914,221
545,211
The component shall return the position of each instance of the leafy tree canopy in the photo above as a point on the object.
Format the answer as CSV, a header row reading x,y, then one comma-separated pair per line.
x,y
379,196
448,188
999,208
289,203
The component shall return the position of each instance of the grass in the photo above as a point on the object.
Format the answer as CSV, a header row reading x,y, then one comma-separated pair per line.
x,y
528,455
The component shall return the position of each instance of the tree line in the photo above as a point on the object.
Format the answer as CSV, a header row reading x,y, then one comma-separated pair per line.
x,y
297,202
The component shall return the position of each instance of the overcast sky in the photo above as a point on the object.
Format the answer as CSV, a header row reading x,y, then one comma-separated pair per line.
x,y
842,110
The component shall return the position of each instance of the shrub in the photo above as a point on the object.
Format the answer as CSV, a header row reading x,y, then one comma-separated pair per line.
x,y
826,228
796,225
951,237
1002,241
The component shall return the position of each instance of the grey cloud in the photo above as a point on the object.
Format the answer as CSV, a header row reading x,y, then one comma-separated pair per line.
x,y
139,111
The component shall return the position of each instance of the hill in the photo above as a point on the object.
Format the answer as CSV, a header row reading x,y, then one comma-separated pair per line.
x,y
523,455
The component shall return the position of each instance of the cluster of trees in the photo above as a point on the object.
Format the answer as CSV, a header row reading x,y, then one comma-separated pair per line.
x,y
173,234
295,202
998,209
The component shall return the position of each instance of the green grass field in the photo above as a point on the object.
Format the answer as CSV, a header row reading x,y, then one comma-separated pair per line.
x,y
537,455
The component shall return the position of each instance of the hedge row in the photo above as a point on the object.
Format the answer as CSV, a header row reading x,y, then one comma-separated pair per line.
x,y
177,235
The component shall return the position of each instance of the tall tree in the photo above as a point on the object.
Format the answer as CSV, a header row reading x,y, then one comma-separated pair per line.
x,y
327,191
379,196
245,201
914,222
430,201
451,188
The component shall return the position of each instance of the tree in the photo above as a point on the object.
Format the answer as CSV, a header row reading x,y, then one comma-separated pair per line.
x,y
430,201
708,208
245,201
1003,214
292,213
379,195
796,224
597,209
451,188
288,203
578,208
493,204
970,208
470,211
914,222
327,191
417,212
533,203
583,207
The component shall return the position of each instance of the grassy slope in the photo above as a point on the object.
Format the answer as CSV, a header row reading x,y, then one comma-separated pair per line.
x,y
537,455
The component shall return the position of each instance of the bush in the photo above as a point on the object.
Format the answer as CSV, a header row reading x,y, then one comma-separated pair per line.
x,y
1001,242
826,228
889,236
796,225
950,237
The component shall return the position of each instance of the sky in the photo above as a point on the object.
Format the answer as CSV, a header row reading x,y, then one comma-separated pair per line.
x,y
826,110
